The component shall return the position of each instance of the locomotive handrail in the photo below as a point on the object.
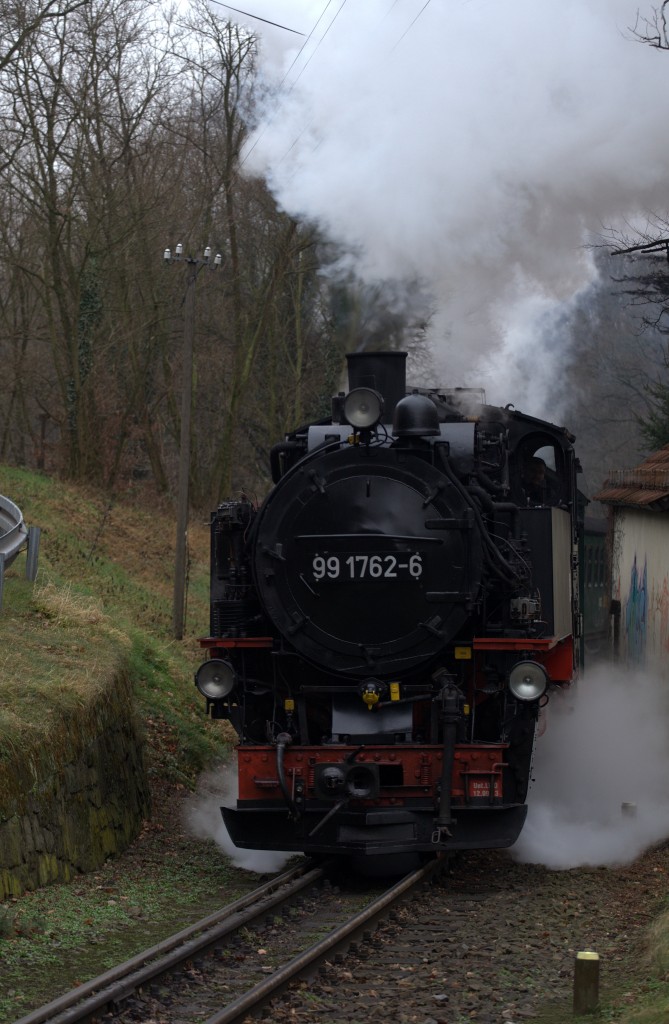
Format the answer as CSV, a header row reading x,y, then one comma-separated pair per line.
x,y
15,535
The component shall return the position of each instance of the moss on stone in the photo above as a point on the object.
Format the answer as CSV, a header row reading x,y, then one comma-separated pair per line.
x,y
77,798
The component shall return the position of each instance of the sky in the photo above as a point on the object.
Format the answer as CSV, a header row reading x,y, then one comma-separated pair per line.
x,y
474,145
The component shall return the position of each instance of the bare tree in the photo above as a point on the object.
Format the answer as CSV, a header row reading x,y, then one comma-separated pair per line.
x,y
83,103
123,134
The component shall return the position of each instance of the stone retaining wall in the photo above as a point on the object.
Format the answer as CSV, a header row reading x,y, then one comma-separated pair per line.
x,y
75,800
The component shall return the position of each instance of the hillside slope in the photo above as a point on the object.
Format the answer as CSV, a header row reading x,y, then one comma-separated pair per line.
x,y
104,594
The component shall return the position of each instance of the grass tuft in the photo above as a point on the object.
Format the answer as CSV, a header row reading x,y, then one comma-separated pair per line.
x,y
659,947
60,604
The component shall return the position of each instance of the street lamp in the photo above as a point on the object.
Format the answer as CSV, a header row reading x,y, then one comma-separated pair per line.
x,y
194,266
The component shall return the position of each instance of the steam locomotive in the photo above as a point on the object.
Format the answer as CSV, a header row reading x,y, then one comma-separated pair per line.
x,y
388,625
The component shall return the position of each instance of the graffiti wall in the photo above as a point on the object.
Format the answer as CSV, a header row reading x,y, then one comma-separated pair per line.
x,y
640,582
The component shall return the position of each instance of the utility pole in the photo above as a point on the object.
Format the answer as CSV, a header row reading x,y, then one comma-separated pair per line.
x,y
194,265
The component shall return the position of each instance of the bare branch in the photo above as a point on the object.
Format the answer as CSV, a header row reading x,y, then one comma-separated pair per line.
x,y
16,28
653,31
659,245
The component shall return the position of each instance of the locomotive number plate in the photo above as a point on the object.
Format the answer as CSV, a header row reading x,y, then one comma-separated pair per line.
x,y
379,566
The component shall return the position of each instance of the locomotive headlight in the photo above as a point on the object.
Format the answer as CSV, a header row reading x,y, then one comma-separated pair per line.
x,y
528,680
215,678
363,408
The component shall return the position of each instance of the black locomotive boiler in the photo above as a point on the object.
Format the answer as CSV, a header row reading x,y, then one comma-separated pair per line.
x,y
387,626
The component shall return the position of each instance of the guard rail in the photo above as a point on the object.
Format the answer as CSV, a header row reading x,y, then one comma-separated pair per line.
x,y
14,536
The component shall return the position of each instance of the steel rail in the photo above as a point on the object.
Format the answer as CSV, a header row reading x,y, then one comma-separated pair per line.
x,y
14,532
118,982
305,962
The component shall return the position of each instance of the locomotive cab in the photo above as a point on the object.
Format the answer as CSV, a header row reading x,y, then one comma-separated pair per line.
x,y
387,626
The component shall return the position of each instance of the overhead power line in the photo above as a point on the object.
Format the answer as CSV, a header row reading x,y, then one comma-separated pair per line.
x,y
313,52
257,17
305,43
297,57
342,5
407,30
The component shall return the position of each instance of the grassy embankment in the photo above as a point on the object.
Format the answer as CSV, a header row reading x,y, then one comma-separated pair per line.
x,y
102,604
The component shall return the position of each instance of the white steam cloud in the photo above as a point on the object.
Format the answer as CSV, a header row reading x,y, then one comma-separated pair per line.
x,y
601,769
203,819
475,145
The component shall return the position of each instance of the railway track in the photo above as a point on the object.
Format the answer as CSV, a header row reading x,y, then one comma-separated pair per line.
x,y
225,967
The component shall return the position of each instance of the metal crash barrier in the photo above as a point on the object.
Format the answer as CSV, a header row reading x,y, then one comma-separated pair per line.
x,y
14,536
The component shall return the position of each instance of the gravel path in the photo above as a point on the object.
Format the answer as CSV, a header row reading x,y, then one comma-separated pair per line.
x,y
494,942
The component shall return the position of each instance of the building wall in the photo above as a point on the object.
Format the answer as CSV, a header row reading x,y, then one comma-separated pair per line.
x,y
640,581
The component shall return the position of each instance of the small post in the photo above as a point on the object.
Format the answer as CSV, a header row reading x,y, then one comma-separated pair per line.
x,y
2,577
34,534
586,983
